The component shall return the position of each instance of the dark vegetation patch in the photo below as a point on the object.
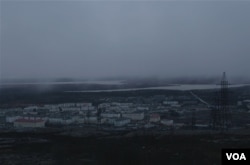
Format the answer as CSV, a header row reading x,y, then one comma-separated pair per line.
x,y
144,150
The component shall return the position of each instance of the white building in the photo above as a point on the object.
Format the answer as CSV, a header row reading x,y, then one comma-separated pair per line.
x,y
167,122
84,104
91,120
30,108
87,108
134,116
55,120
11,119
110,120
63,121
78,119
68,121
143,108
71,109
149,125
66,105
103,105
110,115
121,122
54,109
171,103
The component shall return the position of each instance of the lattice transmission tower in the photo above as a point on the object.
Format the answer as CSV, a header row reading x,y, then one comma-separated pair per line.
x,y
221,114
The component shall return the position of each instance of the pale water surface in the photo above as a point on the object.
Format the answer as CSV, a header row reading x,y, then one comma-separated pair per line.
x,y
170,87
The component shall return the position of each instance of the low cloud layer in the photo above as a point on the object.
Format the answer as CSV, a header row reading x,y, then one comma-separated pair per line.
x,y
83,39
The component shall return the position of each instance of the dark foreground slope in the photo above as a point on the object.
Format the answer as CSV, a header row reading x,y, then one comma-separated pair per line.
x,y
19,148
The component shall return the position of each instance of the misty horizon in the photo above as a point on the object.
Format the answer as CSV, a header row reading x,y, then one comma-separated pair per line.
x,y
122,39
162,81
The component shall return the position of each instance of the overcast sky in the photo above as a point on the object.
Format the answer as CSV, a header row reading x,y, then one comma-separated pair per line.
x,y
82,39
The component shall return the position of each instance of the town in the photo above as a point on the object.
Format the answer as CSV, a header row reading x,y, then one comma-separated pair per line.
x,y
127,127
157,113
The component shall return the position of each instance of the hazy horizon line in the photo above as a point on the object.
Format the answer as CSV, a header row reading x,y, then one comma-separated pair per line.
x,y
127,78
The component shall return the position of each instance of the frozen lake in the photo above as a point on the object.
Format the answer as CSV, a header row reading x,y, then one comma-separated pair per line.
x,y
170,87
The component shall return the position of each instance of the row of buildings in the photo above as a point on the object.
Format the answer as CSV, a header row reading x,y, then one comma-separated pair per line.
x,y
110,114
